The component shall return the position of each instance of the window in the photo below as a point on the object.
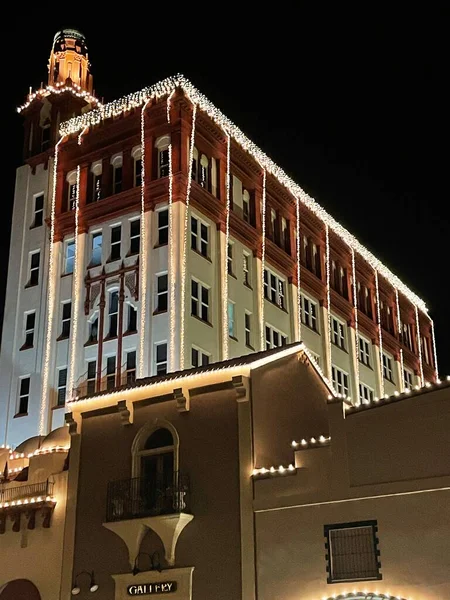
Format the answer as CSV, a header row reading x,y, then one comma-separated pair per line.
x,y
387,368
364,351
46,137
38,211
72,200
116,236
408,378
274,338
273,224
96,249
200,300
154,463
199,358
30,320
35,259
161,358
248,329
163,227
309,313
340,381
274,289
110,372
132,319
246,269
285,241
246,206
91,377
96,187
203,174
137,171
69,257
162,295
162,145
338,333
66,318
131,367
199,236
61,389
426,350
406,335
117,178
310,256
135,236
352,552
93,331
365,394
113,313
24,395
231,319
230,258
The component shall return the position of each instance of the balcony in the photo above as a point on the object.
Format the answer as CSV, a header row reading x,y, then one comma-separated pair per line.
x,y
26,500
135,505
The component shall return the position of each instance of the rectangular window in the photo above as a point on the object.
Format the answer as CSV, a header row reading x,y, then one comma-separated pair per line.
x,y
93,331
247,269
91,377
66,319
116,238
162,294
200,300
231,319
131,367
163,162
96,249
309,313
132,319
137,172
352,552
274,338
199,358
248,329
38,211
96,187
246,206
30,321
72,200
408,379
69,257
230,259
161,358
117,179
199,236
426,351
110,372
364,351
340,381
24,395
35,259
338,333
113,313
274,289
62,386
365,394
406,335
387,368
163,227
135,236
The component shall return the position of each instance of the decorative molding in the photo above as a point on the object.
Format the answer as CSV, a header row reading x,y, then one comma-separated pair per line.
x,y
124,412
241,384
72,424
183,402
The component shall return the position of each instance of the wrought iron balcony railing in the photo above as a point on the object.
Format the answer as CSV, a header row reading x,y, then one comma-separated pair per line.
x,y
142,497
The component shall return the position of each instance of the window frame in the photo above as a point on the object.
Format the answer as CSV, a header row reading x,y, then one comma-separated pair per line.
x,y
340,336
28,330
248,329
275,294
247,269
135,237
202,243
365,354
406,383
110,376
60,387
131,370
157,363
273,330
388,371
344,384
32,269
69,244
65,320
159,294
96,235
116,243
21,395
93,379
309,313
112,313
201,355
365,393
231,317
162,228
38,211
200,303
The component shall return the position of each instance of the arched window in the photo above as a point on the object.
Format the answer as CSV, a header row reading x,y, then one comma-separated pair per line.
x,y
136,154
194,163
95,185
155,452
162,145
203,176
116,163
72,187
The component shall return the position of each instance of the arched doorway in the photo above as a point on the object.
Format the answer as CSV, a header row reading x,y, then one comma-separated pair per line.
x,y
157,470
19,589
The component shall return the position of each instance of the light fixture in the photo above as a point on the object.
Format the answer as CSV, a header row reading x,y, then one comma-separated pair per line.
x,y
155,562
93,586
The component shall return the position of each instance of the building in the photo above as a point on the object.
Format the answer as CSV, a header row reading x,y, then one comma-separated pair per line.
x,y
150,235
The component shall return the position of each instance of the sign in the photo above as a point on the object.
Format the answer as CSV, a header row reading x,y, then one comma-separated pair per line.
x,y
146,589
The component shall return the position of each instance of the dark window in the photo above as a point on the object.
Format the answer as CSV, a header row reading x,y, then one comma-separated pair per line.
x,y
96,188
132,319
163,227
96,251
137,172
46,137
93,331
199,358
131,366
29,330
66,317
164,162
161,359
116,235
62,383
248,329
352,552
69,259
38,211
117,180
110,372
162,295
113,313
159,439
24,395
34,268
135,236
91,377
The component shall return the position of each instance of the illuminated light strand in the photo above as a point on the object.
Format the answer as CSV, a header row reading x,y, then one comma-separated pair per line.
x,y
185,233
289,470
26,501
165,87
313,442
299,293
399,327
355,312
419,346
364,596
327,260
52,450
50,302
380,334
172,281
263,264
225,317
12,471
169,105
143,254
74,89
433,338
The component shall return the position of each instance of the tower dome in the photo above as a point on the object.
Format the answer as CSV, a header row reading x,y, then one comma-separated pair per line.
x,y
69,61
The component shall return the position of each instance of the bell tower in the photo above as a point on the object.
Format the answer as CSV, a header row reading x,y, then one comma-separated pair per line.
x,y
69,61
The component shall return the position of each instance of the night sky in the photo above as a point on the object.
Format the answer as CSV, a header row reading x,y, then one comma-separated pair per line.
x,y
353,106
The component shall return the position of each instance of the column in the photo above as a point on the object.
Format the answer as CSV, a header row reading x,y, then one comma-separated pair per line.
x,y
354,383
377,369
325,337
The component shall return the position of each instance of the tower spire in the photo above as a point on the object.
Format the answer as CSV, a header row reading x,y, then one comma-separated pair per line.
x,y
69,61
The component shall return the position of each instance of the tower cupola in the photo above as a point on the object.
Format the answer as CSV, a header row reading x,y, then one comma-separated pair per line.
x,y
69,61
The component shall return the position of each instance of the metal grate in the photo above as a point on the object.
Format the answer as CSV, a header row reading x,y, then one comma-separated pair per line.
x,y
353,554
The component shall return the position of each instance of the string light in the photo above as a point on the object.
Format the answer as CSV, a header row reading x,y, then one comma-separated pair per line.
x,y
355,312
172,281
364,596
327,259
185,233
289,470
21,501
419,346
50,302
380,334
225,317
436,370
322,440
263,264
399,327
299,293
74,89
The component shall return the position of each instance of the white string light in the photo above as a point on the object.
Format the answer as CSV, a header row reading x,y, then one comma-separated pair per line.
x,y
327,260
289,470
172,281
263,264
355,312
225,317
74,89
436,370
50,302
364,596
399,327
26,501
299,293
380,334
313,442
419,346
185,233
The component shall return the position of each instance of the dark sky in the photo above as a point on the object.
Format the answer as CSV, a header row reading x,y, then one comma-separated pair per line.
x,y
353,106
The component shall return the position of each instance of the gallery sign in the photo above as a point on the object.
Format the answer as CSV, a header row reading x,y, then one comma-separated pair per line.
x,y
146,589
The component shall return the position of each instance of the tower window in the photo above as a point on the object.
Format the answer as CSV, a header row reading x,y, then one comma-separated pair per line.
x,y
110,372
132,319
91,377
161,358
46,138
35,259
96,249
38,211
113,313
340,381
62,387
163,227
69,257
135,236
199,300
30,321
93,331
131,367
116,235
66,318
163,158
24,395
199,358
162,295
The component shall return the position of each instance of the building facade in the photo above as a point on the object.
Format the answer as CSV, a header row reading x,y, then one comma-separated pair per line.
x,y
150,235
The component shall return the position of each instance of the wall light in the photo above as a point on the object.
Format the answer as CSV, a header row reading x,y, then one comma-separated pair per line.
x,y
93,586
